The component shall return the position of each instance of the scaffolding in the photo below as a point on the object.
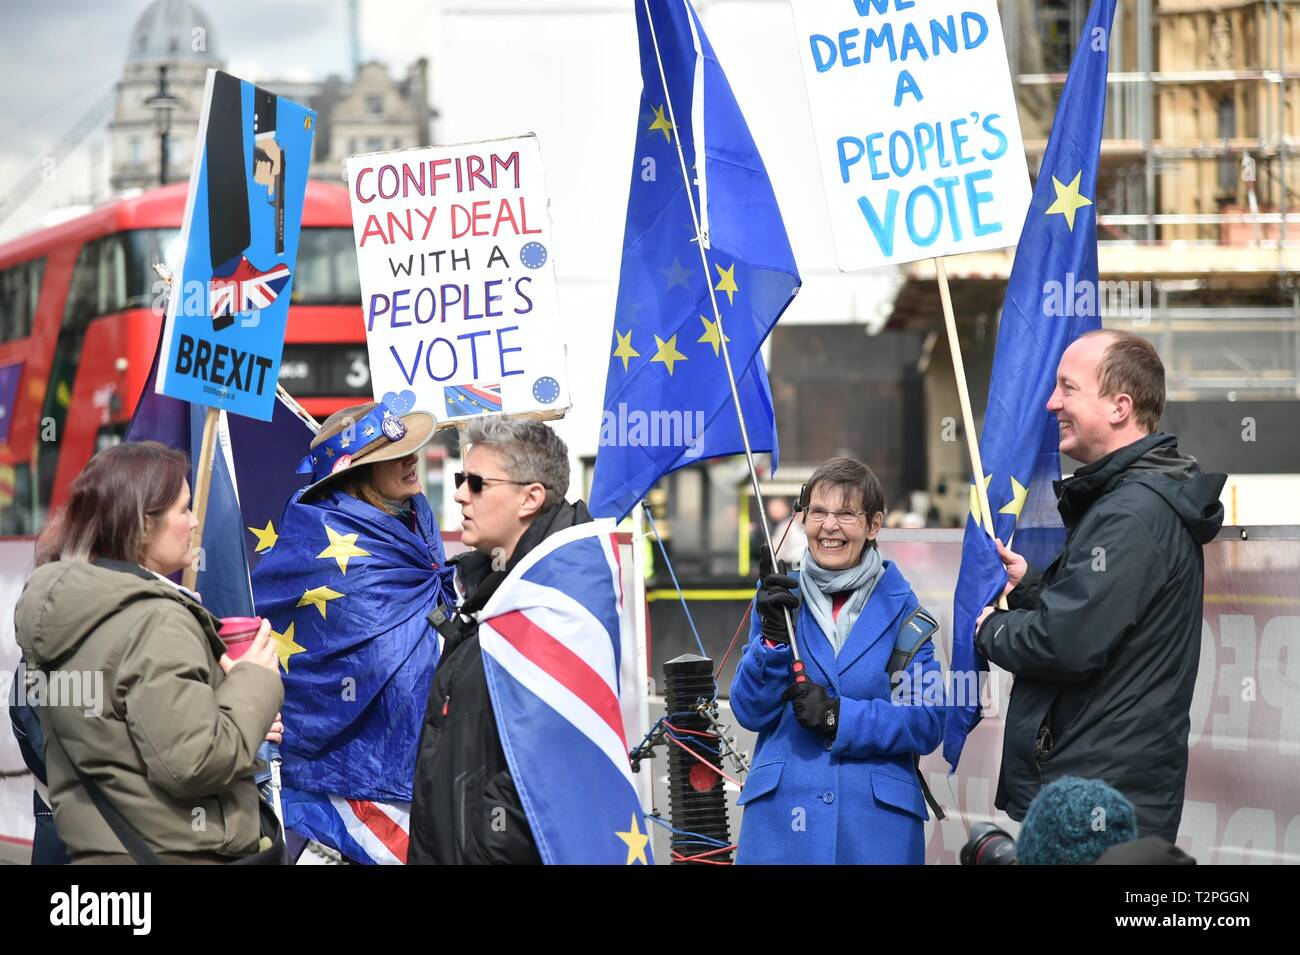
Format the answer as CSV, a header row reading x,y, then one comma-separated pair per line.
x,y
1196,193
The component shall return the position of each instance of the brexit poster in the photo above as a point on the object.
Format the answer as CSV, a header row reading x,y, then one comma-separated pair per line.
x,y
227,313
457,278
915,124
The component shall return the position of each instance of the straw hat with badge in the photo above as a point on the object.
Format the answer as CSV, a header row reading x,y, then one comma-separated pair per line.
x,y
365,434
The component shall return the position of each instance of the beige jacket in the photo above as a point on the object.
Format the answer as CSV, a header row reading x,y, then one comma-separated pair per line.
x,y
137,699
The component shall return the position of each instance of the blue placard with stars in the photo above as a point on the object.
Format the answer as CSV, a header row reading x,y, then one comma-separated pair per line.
x,y
667,399
1019,447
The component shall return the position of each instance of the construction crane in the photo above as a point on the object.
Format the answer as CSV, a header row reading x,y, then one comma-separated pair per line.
x,y
43,170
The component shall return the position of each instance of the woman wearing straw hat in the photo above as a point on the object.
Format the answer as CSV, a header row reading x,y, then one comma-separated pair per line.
x,y
348,585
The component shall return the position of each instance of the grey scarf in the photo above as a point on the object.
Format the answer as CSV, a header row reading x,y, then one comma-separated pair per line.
x,y
817,584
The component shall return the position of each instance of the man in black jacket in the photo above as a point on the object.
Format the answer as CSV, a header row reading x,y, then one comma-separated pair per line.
x,y
465,807
1105,643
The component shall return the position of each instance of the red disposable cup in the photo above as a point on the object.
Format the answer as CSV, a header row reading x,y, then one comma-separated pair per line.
x,y
237,633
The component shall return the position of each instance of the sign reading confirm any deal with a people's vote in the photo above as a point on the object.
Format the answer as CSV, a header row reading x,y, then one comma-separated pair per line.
x,y
229,305
916,129
457,279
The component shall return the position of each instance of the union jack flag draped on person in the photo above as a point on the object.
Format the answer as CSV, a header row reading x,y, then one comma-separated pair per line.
x,y
558,653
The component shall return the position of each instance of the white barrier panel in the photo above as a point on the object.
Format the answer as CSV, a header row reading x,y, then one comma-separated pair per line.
x,y
1242,804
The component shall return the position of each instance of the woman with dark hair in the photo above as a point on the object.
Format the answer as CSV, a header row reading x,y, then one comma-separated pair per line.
x,y
834,777
349,586
147,721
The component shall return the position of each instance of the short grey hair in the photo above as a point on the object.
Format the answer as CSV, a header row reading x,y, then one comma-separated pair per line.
x,y
530,451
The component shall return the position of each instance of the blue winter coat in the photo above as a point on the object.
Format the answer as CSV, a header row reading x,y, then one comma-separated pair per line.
x,y
855,799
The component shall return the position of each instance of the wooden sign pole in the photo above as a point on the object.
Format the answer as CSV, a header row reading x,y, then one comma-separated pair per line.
x,y
985,515
202,485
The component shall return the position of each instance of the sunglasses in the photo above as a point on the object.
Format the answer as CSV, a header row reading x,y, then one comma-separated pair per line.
x,y
476,481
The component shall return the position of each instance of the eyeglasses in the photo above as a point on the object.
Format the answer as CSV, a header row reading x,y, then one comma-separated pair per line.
x,y
476,481
845,517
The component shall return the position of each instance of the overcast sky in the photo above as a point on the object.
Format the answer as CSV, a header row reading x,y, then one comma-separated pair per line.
x,y
59,57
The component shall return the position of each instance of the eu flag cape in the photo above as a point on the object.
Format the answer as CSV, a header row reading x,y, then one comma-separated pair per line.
x,y
1052,299
347,588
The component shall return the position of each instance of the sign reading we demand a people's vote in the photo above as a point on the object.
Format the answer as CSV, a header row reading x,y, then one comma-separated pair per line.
x,y
916,128
229,306
457,279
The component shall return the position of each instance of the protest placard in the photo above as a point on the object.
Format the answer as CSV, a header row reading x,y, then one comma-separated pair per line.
x,y
457,279
229,305
916,128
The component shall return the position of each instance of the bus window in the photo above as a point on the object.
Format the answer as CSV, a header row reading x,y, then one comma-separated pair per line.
x,y
98,283
83,293
110,285
144,247
327,268
20,286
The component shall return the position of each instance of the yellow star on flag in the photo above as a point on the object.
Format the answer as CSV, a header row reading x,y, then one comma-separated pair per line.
x,y
974,498
285,647
727,282
636,842
317,597
661,123
1019,494
266,537
668,352
625,349
1068,200
711,335
342,546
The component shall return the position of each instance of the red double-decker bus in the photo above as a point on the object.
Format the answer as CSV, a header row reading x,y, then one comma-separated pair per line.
x,y
80,312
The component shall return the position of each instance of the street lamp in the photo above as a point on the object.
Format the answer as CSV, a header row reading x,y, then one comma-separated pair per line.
x,y
163,103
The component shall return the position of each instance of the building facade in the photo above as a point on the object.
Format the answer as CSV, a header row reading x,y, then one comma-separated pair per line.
x,y
370,112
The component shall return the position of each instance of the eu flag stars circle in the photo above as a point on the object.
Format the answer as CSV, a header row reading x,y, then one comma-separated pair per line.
x,y
546,389
533,255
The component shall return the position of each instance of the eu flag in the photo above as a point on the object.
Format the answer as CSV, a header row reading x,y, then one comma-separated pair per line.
x,y
1052,299
667,399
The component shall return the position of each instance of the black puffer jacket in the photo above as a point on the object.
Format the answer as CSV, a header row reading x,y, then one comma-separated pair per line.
x,y
1105,643
465,808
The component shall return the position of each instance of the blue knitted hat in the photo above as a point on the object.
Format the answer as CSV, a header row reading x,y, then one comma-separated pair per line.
x,y
1073,821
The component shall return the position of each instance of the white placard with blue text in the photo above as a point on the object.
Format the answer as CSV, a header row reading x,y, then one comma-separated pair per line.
x,y
458,282
916,129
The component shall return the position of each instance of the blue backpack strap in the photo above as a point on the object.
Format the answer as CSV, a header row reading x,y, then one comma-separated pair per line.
x,y
919,627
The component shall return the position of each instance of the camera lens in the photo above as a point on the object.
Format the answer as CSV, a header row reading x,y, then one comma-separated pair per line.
x,y
989,845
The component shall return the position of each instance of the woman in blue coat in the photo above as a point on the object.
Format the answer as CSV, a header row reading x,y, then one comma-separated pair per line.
x,y
834,780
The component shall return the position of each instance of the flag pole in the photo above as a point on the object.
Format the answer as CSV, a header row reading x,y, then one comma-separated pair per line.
x,y
722,338
985,515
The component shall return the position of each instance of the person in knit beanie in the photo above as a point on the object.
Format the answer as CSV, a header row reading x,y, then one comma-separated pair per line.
x,y
1072,821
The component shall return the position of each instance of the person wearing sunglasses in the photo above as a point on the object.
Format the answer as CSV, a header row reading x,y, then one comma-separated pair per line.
x,y
466,807
834,778
348,584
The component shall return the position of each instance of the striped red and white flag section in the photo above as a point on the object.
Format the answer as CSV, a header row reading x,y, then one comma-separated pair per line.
x,y
553,637
360,829
381,829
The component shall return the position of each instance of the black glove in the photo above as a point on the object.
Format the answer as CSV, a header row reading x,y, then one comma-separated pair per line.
x,y
814,708
774,596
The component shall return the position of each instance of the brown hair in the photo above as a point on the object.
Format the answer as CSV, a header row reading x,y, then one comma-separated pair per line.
x,y
109,501
360,483
854,480
1131,366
